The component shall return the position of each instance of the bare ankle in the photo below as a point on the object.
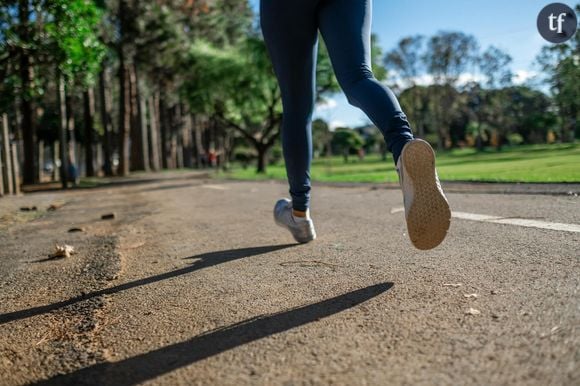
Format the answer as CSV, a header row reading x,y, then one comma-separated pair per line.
x,y
298,213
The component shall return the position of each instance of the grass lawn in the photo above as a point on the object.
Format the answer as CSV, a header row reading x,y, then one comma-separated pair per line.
x,y
528,163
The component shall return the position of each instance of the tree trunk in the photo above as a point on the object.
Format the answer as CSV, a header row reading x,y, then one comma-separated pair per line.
x,y
40,160
479,139
143,128
262,158
138,145
89,114
175,126
26,110
153,134
177,139
72,170
62,132
187,140
124,119
124,97
163,123
106,121
7,160
198,142
55,151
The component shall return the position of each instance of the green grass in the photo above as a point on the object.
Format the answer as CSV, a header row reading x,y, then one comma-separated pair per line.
x,y
529,163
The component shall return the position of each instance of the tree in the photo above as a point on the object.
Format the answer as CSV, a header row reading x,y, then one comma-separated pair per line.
x,y
406,59
494,65
238,86
561,63
321,137
346,141
448,55
415,101
54,39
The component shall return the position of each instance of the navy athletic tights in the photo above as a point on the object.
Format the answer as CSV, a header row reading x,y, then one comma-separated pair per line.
x,y
290,29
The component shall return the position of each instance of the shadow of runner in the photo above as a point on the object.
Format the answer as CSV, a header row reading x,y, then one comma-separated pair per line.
x,y
205,260
143,367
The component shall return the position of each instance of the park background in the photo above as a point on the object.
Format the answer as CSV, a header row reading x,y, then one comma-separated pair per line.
x,y
137,86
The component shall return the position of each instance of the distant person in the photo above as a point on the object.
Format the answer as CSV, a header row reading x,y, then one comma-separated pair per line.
x,y
290,29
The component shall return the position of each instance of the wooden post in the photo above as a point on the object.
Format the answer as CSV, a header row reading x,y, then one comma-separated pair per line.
x,y
7,160
15,170
1,175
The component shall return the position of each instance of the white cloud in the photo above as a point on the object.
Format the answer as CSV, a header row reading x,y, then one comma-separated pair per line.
x,y
469,77
332,125
428,80
327,104
522,76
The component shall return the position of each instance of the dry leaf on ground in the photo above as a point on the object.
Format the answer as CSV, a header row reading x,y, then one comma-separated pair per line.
x,y
55,206
61,251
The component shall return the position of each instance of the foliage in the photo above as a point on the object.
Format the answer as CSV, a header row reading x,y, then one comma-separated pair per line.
x,y
321,136
71,32
346,141
448,55
494,65
561,64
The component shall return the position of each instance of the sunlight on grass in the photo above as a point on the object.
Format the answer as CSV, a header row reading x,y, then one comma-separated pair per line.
x,y
532,163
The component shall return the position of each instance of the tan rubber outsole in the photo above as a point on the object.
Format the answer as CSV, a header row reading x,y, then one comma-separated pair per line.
x,y
429,216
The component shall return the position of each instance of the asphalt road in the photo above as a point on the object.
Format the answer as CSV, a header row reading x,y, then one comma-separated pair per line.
x,y
192,283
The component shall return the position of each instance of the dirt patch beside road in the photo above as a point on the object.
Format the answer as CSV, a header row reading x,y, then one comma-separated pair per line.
x,y
53,309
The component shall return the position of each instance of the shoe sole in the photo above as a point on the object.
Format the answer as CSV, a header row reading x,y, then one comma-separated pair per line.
x,y
429,216
282,225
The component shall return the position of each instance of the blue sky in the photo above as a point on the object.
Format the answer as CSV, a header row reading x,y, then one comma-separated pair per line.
x,y
507,24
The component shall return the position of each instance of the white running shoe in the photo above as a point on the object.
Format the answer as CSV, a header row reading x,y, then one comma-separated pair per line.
x,y
301,228
426,208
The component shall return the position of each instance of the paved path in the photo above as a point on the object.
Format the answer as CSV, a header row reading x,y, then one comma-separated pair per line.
x,y
192,283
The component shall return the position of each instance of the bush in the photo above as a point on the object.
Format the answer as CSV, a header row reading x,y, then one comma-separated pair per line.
x,y
275,154
515,139
244,155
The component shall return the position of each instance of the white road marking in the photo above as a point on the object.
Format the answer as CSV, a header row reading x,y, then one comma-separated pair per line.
x,y
216,187
556,226
522,222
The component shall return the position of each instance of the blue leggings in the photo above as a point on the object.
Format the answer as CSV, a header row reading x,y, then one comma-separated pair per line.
x,y
290,29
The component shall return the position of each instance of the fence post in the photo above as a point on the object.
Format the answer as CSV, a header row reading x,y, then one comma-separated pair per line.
x,y
6,159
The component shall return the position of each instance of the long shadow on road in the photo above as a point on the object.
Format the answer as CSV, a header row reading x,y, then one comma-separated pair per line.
x,y
205,260
146,366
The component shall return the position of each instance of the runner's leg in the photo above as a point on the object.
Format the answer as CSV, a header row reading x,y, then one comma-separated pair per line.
x,y
345,26
291,35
